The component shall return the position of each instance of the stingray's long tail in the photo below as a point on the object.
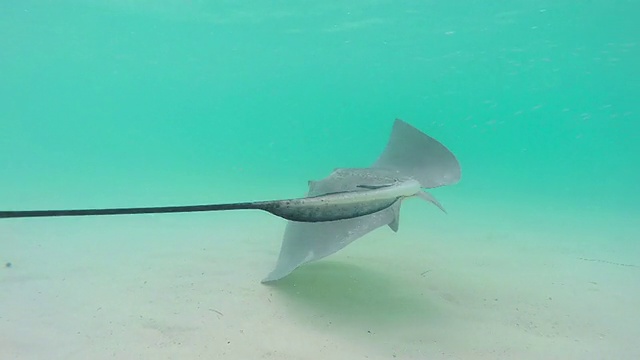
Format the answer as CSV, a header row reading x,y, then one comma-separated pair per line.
x,y
130,211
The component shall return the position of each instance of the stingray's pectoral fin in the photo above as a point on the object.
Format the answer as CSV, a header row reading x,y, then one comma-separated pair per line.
x,y
412,153
307,242
428,197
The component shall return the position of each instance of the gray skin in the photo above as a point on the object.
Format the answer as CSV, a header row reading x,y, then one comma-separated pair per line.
x,y
344,204
322,209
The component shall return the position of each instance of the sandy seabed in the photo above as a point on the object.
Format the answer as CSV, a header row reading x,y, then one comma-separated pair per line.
x,y
482,286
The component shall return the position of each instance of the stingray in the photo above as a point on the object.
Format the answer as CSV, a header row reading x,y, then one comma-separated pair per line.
x,y
344,206
410,155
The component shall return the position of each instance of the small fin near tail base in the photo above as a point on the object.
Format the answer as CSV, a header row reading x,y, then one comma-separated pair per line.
x,y
395,209
428,197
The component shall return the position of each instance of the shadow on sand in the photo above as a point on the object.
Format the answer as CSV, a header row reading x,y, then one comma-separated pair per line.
x,y
341,292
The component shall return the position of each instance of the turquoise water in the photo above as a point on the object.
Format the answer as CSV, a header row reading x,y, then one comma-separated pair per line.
x,y
123,103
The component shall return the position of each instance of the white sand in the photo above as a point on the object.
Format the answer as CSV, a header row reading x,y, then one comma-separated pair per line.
x,y
500,286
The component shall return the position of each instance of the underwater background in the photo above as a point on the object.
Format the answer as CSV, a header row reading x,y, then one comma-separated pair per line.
x,y
150,103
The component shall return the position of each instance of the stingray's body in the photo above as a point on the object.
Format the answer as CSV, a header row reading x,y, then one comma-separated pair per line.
x,y
410,154
344,204
338,209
